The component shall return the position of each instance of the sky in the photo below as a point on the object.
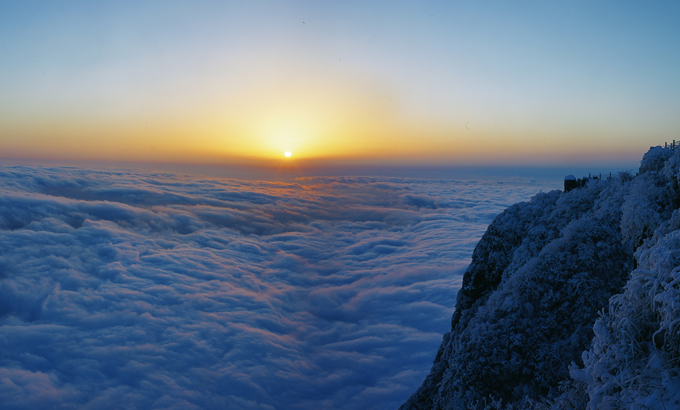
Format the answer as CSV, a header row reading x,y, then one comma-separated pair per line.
x,y
143,290
353,82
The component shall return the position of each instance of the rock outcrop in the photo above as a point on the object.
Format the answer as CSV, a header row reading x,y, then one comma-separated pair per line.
x,y
547,311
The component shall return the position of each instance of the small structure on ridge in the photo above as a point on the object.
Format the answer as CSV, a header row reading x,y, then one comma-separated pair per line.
x,y
570,183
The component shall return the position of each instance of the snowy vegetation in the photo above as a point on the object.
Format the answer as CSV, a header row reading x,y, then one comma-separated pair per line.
x,y
572,300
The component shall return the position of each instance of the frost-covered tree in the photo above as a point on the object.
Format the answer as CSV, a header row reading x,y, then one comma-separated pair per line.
x,y
634,361
550,315
529,299
649,202
635,358
655,159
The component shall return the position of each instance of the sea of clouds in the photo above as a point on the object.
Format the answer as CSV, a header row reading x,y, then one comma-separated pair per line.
x,y
142,290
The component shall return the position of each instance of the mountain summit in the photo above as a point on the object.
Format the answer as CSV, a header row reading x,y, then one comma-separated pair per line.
x,y
572,300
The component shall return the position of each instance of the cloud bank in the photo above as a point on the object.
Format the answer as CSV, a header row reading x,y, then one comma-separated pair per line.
x,y
124,289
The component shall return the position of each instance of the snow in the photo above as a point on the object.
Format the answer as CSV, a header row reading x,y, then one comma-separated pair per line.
x,y
572,300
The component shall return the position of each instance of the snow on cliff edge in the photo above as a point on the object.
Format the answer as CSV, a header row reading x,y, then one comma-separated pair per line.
x,y
550,315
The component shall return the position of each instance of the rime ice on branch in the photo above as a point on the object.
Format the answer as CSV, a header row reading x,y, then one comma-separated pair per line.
x,y
528,331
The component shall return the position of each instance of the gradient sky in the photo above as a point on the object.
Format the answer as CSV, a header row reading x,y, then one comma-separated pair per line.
x,y
483,82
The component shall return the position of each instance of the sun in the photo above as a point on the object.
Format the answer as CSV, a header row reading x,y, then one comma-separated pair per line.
x,y
287,154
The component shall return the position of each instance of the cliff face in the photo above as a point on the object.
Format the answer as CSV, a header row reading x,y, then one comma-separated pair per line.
x,y
525,316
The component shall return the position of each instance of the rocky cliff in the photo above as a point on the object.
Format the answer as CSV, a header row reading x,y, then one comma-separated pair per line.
x,y
571,300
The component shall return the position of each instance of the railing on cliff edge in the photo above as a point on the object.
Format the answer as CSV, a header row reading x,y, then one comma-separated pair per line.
x,y
570,182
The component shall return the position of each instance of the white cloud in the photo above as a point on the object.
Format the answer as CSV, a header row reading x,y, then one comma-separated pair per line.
x,y
120,288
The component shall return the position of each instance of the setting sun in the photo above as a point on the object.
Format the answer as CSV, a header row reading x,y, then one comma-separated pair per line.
x,y
287,154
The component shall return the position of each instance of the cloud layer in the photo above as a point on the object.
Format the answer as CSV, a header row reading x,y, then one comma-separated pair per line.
x,y
121,289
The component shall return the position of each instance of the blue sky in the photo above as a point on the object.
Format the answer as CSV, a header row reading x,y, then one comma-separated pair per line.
x,y
402,82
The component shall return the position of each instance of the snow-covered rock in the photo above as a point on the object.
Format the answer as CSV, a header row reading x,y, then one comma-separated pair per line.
x,y
550,315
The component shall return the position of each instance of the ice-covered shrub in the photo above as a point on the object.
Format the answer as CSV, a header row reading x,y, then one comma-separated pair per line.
x,y
671,171
635,357
540,277
655,159
530,296
649,202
